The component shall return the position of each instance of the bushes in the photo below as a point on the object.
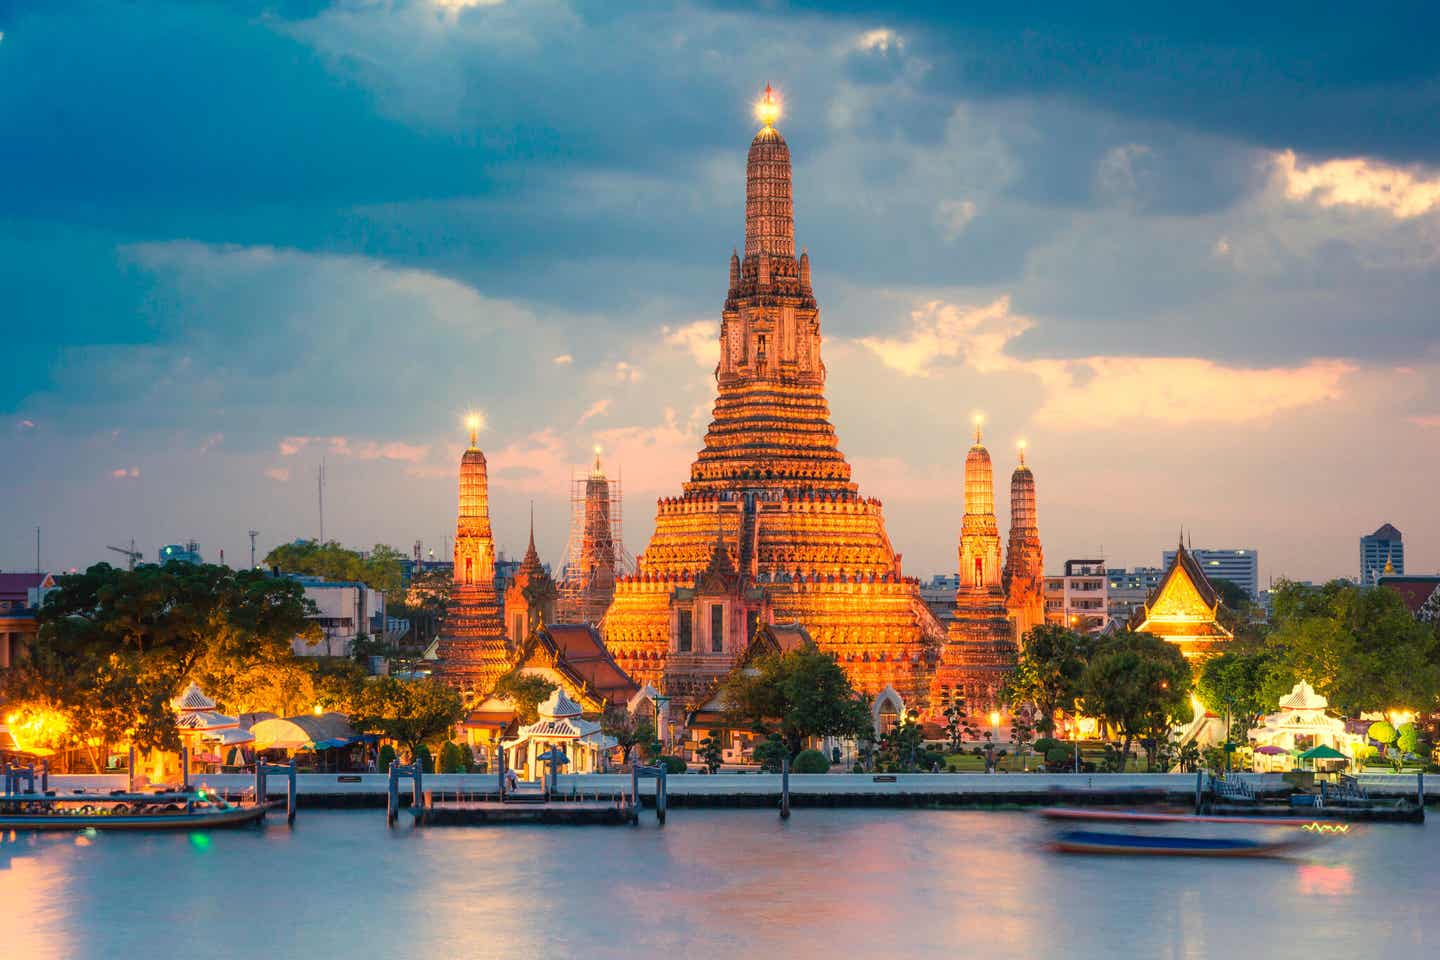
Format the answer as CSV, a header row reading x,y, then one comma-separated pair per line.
x,y
770,754
673,764
1044,745
1059,757
387,754
810,761
452,758
422,753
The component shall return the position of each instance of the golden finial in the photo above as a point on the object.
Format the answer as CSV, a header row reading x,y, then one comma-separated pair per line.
x,y
475,421
597,458
1022,445
767,108
979,419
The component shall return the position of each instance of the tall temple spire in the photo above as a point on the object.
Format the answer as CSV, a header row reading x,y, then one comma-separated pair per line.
x,y
472,647
1024,578
769,210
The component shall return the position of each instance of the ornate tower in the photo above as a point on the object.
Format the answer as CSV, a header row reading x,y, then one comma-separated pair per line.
x,y
594,555
772,484
981,644
530,597
472,648
1024,579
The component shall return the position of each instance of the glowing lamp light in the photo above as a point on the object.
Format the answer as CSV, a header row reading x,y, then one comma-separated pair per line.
x,y
318,710
994,718
767,108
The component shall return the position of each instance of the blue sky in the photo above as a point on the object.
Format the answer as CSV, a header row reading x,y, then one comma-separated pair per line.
x,y
1191,257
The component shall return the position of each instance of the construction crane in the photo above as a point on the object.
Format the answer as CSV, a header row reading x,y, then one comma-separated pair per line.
x,y
131,555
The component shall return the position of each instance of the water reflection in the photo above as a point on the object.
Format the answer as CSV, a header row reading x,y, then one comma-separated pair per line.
x,y
853,883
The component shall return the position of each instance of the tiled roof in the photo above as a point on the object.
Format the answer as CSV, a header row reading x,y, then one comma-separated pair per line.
x,y
205,720
18,583
1303,697
558,706
192,699
582,653
1413,590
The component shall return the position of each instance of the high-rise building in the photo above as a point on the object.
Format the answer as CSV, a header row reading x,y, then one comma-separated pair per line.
x,y
472,649
1127,589
1381,553
1024,576
1241,566
771,490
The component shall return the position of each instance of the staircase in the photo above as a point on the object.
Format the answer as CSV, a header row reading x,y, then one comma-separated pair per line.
x,y
749,538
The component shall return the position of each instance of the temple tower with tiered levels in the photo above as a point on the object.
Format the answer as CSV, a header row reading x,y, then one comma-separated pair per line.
x,y
771,485
472,648
1024,577
980,648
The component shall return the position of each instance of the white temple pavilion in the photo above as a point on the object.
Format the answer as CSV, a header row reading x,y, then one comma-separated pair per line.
x,y
1301,723
560,726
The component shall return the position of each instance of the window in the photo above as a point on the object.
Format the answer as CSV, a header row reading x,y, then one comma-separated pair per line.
x,y
752,624
717,628
684,632
889,717
517,627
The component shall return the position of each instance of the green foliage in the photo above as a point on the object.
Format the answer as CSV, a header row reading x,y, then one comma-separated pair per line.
x,y
712,753
526,691
1360,648
1139,685
422,753
1048,673
1058,757
1407,738
386,755
673,764
804,693
810,761
770,753
378,571
411,712
958,727
903,748
452,760
1214,759
467,758
629,730
1241,687
1381,732
1044,745
114,646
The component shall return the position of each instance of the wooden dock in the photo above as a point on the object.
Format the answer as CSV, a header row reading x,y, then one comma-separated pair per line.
x,y
495,813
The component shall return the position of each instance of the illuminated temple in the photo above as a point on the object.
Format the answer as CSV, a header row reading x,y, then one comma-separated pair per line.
x,y
472,649
770,527
1024,577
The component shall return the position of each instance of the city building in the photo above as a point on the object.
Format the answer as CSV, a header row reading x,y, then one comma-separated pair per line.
x,y
472,649
1183,608
21,595
1127,589
939,595
1078,598
1381,553
187,552
772,492
345,609
1024,577
1240,566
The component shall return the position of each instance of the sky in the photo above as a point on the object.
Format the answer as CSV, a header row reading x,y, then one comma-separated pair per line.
x,y
1191,256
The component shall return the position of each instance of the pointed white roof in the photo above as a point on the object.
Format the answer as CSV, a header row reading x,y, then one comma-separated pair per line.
x,y
192,699
558,706
1303,697
205,720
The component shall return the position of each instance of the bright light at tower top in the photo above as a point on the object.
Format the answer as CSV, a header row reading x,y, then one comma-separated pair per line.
x,y
978,418
767,108
475,422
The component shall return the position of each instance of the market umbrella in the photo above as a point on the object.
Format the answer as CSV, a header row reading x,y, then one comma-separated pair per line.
x,y
1270,750
1323,752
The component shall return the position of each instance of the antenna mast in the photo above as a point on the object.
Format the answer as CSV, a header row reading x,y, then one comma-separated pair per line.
x,y
253,535
320,491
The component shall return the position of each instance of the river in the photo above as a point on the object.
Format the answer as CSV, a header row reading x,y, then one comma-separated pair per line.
x,y
712,883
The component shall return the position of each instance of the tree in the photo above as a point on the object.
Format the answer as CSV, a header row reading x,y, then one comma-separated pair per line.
x,y
379,570
114,646
1360,648
452,759
526,691
1048,671
410,712
629,730
711,753
1139,685
1242,687
958,727
803,694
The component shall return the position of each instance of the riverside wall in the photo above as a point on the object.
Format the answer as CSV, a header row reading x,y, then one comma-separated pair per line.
x,y
318,790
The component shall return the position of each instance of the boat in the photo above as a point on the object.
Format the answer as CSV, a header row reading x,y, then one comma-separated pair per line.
x,y
1132,844
1145,816
124,811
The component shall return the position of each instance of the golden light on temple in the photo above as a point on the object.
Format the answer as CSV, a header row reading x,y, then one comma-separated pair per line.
x,y
474,422
979,420
1022,444
767,108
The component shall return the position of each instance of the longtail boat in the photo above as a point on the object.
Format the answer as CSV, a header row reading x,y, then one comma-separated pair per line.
x,y
1131,844
124,811
1143,816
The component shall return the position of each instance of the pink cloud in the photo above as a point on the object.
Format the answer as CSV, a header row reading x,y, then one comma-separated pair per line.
x,y
119,472
293,445
1427,421
278,474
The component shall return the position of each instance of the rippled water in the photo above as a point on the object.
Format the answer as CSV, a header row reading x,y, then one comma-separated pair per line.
x,y
828,883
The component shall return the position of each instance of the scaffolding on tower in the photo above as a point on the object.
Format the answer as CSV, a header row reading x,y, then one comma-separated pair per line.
x,y
595,551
